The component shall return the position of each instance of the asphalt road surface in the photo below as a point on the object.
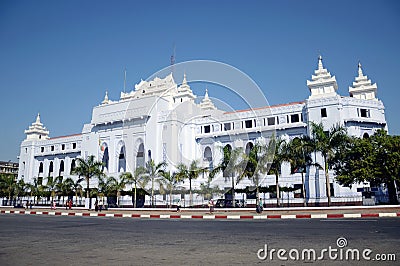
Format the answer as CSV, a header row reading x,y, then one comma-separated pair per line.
x,y
58,240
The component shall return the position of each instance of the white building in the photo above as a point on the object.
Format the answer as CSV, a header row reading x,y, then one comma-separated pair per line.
x,y
160,120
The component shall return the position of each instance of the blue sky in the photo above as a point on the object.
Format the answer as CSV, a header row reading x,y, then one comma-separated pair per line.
x,y
59,57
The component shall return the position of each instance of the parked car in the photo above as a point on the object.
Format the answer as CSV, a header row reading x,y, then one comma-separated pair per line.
x,y
227,203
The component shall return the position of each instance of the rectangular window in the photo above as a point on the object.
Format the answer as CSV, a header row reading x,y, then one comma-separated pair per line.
x,y
227,126
364,113
52,148
63,147
271,121
323,112
207,129
74,145
248,123
41,149
295,118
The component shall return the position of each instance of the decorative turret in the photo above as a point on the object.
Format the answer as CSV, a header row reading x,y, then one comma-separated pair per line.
x,y
106,100
184,92
206,103
322,84
363,87
37,131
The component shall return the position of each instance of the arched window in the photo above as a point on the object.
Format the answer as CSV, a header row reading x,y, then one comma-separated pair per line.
x,y
208,157
105,160
121,160
140,156
366,135
61,172
249,146
41,167
51,168
72,166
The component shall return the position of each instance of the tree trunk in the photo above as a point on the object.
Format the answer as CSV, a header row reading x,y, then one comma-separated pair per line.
x,y
152,191
190,193
233,192
170,198
328,186
278,194
88,194
392,192
304,189
134,200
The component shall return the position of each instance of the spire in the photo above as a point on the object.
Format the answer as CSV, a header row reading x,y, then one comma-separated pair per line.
x,y
38,119
105,101
362,87
37,131
206,103
320,66
184,82
360,73
184,91
322,83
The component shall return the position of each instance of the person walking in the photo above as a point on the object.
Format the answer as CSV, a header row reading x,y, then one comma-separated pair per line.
x,y
100,205
178,206
211,205
96,205
259,207
70,204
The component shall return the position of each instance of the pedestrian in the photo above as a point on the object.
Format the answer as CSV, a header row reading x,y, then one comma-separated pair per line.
x,y
66,204
100,205
259,207
53,207
178,206
70,204
30,204
211,205
96,205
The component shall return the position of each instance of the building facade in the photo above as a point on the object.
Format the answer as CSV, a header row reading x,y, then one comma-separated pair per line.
x,y
162,120
9,168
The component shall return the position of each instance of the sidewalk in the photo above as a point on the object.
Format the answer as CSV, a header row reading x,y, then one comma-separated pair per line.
x,y
237,213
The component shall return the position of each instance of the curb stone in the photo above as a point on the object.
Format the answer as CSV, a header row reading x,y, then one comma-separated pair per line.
x,y
210,216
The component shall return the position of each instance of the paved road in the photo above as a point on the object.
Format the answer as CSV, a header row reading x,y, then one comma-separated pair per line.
x,y
56,240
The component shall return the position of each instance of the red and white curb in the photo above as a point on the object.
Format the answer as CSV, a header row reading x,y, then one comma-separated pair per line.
x,y
209,216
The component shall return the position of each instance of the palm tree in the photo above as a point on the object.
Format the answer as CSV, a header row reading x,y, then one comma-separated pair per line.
x,y
328,143
116,186
52,184
20,188
169,181
300,150
136,179
88,168
8,184
281,155
190,173
153,172
233,163
35,190
259,162
77,188
65,187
